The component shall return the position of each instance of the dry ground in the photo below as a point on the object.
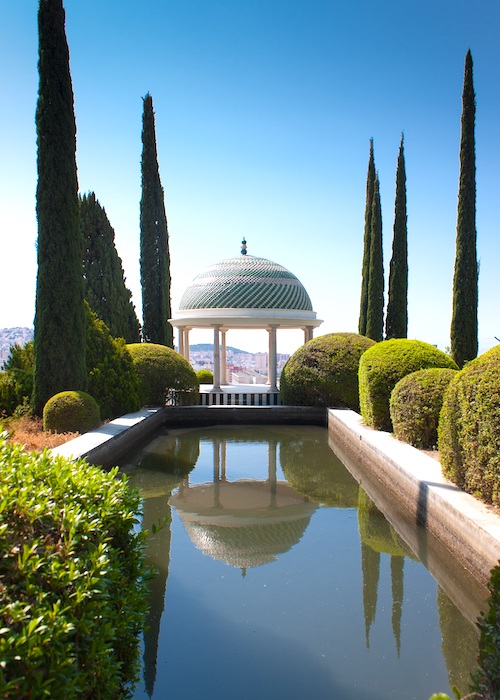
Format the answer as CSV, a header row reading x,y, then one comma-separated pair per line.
x,y
28,431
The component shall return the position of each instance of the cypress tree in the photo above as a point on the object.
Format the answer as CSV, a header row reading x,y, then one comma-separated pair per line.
x,y
59,314
104,280
464,328
375,309
396,323
155,256
365,273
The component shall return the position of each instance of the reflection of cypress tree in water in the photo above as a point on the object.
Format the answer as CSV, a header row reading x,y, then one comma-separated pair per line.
x,y
376,531
159,468
370,567
378,536
313,470
158,556
397,564
460,642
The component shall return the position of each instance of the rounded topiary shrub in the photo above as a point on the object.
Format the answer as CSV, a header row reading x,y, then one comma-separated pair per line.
x,y
415,405
324,372
71,412
205,376
469,428
383,365
164,376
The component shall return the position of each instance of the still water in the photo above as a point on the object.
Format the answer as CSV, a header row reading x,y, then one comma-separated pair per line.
x,y
278,577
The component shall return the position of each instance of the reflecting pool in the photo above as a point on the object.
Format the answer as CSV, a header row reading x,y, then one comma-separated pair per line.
x,y
278,577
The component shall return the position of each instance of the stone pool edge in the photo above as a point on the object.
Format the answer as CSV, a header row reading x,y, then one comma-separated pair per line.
x,y
465,526
112,440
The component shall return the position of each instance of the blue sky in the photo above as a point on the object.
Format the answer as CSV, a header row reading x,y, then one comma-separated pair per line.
x,y
264,113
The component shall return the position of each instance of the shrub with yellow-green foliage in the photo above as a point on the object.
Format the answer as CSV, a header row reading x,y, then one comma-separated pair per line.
x,y
324,372
71,412
383,365
415,404
74,583
469,428
164,376
205,376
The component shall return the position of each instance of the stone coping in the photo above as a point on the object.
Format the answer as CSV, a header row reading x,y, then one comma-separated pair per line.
x,y
467,527
106,444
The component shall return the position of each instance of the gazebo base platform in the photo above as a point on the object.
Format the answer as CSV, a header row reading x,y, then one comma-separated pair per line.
x,y
239,395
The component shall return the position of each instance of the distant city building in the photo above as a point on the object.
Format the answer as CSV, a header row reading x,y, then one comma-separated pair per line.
x,y
247,377
261,359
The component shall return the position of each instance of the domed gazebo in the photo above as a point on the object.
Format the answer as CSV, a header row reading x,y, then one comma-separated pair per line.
x,y
244,292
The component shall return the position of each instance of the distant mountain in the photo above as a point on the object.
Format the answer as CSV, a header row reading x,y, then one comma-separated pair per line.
x,y
11,336
208,347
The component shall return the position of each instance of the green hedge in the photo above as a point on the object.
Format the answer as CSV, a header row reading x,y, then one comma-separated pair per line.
x,y
324,372
383,365
469,428
16,380
112,379
415,404
71,412
164,375
74,589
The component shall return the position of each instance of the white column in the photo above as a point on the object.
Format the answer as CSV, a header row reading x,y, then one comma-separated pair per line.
x,y
186,343
180,331
216,357
308,333
223,359
272,359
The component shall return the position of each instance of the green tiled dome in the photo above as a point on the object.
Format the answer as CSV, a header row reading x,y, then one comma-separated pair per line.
x,y
246,282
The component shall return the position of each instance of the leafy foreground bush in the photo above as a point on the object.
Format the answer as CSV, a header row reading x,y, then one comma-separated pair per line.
x,y
71,412
324,372
74,592
164,375
469,428
415,404
383,365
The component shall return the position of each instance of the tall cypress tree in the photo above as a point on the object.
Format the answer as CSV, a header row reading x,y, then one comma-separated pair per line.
x,y
59,314
464,328
365,273
396,323
104,280
155,255
375,309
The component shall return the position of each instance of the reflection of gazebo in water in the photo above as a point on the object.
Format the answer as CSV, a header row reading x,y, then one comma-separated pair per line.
x,y
244,292
245,523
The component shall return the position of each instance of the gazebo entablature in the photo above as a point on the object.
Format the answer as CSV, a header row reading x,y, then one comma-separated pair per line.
x,y
223,320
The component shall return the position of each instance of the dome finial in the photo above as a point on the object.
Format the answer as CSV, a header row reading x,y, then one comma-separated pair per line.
x,y
243,247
